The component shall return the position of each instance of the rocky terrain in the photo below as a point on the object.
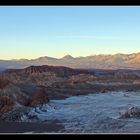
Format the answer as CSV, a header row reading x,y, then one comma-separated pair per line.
x,y
21,90
24,89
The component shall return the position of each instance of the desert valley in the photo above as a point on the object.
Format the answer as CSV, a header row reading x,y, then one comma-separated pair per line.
x,y
69,69
27,93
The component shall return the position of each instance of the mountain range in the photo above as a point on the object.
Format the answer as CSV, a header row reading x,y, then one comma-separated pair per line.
x,y
116,61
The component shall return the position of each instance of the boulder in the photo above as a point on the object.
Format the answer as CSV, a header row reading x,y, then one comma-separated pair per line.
x,y
104,91
132,112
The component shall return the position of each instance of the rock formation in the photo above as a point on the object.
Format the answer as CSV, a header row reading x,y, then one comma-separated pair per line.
x,y
132,112
6,104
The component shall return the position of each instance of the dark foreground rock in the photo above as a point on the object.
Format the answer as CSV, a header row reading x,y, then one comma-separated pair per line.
x,y
14,114
23,127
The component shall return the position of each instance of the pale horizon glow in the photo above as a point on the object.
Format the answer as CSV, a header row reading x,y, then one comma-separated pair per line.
x,y
30,32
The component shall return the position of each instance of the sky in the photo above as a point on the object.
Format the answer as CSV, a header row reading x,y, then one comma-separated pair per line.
x,y
34,31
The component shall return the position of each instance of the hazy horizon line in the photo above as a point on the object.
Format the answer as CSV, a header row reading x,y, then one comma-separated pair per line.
x,y
97,54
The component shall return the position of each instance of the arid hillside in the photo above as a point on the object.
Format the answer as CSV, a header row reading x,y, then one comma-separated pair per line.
x,y
22,89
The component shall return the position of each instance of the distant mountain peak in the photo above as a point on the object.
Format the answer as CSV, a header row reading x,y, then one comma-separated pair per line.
x,y
67,57
43,57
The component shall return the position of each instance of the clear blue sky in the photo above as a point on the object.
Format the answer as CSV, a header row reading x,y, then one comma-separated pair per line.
x,y
34,31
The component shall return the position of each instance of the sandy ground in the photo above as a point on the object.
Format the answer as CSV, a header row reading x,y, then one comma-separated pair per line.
x,y
95,113
55,126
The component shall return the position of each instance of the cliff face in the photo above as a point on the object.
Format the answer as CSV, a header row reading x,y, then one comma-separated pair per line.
x,y
59,70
